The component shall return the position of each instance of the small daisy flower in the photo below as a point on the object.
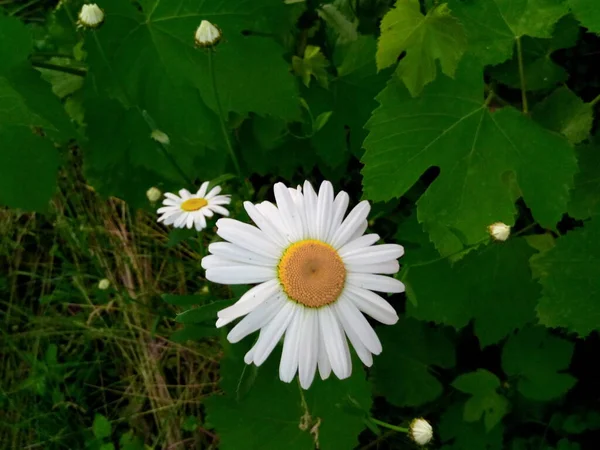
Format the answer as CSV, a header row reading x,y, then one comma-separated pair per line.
x,y
316,273
207,34
420,431
499,231
90,16
188,210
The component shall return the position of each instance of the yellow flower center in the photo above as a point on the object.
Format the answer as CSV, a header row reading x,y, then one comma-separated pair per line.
x,y
312,273
193,204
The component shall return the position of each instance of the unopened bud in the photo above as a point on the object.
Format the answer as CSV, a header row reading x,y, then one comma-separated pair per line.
x,y
104,284
207,34
161,137
153,194
420,431
90,16
499,231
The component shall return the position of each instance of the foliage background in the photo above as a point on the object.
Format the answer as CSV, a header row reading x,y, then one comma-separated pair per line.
x,y
447,115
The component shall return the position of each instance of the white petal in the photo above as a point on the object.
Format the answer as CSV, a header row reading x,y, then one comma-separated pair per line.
x,y
220,200
166,215
251,300
310,210
169,202
272,332
213,192
309,349
349,226
232,252
288,212
377,283
360,230
323,361
180,221
374,254
189,223
354,319
248,356
256,319
324,210
340,205
202,191
299,201
240,274
207,212
388,267
171,218
248,237
291,346
335,343
185,194
173,197
164,209
361,350
361,242
212,261
264,224
372,304
270,211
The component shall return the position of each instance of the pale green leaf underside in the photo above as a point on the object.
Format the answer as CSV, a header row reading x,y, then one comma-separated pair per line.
x,y
587,12
476,149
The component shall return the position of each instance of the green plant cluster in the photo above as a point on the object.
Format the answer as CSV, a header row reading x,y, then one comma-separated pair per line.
x,y
448,115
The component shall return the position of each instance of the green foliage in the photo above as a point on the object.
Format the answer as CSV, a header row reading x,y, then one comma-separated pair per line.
x,y
585,201
533,356
101,427
485,402
425,39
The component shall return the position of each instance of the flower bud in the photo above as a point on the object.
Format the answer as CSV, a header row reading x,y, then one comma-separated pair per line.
x,y
160,136
153,194
420,431
103,284
499,231
207,34
90,16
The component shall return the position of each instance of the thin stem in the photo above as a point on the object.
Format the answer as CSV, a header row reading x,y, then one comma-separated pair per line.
x,y
522,76
57,68
211,68
389,426
596,100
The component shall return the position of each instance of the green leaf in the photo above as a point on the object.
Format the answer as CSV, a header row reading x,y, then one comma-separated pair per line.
x,y
272,414
457,434
475,149
587,12
425,39
184,301
564,112
314,64
535,357
134,51
585,201
101,427
493,26
485,401
345,29
203,313
491,286
107,446
570,276
129,441
411,348
190,423
193,332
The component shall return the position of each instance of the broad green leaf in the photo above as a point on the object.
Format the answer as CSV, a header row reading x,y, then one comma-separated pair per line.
x,y
456,434
492,26
101,427
107,446
491,286
351,98
343,26
587,12
451,127
133,50
485,401
403,372
570,277
193,332
425,39
203,313
313,64
275,415
539,69
564,112
585,201
535,357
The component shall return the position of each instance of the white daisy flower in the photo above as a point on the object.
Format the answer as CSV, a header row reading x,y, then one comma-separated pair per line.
x,y
316,273
90,16
187,210
420,431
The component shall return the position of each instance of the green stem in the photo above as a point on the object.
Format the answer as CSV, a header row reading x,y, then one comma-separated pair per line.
x,y
522,76
596,100
211,68
57,68
389,426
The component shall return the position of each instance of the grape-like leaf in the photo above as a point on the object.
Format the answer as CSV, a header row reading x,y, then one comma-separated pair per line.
x,y
535,357
456,434
570,276
410,348
492,286
259,411
451,127
425,39
587,12
585,201
314,64
493,26
563,111
485,401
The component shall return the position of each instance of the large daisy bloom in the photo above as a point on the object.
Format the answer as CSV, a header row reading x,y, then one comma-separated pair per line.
x,y
188,210
316,273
